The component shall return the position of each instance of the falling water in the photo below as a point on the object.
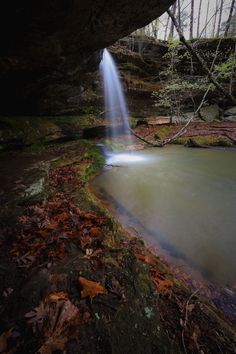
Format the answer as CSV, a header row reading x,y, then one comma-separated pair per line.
x,y
115,104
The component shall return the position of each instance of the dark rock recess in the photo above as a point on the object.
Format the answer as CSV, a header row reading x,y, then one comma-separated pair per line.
x,y
48,47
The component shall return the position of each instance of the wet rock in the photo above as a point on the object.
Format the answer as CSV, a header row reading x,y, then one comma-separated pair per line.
x,y
210,113
230,114
35,189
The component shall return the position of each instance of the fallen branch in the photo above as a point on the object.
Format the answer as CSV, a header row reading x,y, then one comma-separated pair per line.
x,y
110,165
186,319
230,137
144,140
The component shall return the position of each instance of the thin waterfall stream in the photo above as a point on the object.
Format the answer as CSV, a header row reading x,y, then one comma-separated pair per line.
x,y
115,104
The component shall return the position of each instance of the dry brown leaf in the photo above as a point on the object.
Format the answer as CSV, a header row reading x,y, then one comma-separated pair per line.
x,y
54,318
163,285
95,231
54,297
51,225
3,340
52,344
91,288
24,219
54,277
147,259
37,316
62,216
61,319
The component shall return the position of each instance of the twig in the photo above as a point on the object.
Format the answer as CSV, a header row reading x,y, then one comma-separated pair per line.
x,y
230,137
146,141
186,319
110,165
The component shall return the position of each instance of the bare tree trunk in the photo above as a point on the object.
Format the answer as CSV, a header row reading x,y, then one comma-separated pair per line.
x,y
155,27
229,18
179,14
232,72
171,34
199,16
166,29
191,20
220,17
215,16
207,13
200,60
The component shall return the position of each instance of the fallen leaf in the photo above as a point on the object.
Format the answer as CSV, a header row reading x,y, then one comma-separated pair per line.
x,y
62,217
54,297
91,288
147,259
37,315
53,344
56,318
3,340
163,285
95,231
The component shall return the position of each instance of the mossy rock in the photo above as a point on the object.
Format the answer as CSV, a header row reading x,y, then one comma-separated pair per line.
x,y
131,67
163,133
20,132
201,141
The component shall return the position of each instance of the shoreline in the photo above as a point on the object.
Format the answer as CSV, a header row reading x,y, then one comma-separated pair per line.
x,y
184,269
139,303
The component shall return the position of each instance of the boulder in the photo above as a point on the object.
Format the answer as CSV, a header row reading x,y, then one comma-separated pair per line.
x,y
230,114
210,113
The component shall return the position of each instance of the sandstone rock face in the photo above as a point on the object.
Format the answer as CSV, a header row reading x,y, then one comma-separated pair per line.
x,y
48,47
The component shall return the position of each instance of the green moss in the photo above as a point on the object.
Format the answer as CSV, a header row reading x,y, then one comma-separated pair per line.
x,y
181,140
207,140
163,132
212,141
129,66
29,131
113,146
94,154
210,40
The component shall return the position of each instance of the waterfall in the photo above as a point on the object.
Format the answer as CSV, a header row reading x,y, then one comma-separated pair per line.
x,y
115,105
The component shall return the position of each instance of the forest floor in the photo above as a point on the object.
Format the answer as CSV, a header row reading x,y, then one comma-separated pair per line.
x,y
196,134
74,281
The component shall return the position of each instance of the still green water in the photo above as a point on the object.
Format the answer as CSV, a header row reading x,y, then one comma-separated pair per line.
x,y
186,200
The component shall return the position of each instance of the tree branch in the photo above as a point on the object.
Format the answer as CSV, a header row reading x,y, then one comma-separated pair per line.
x,y
200,60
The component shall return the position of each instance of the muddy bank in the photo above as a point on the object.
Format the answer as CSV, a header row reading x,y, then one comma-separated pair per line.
x,y
73,280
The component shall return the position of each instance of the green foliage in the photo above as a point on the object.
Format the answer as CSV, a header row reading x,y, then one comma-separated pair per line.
x,y
224,71
176,88
90,110
172,94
